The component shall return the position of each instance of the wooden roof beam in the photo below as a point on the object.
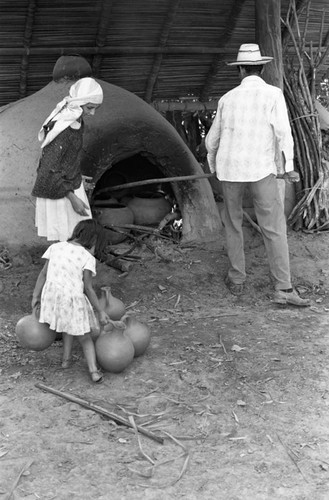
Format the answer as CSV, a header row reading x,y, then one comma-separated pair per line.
x,y
104,21
225,38
28,32
190,106
120,50
169,21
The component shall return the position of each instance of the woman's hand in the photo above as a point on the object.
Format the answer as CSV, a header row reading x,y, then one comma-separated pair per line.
x,y
79,206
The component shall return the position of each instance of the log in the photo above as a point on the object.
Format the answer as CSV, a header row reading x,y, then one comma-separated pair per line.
x,y
98,409
118,263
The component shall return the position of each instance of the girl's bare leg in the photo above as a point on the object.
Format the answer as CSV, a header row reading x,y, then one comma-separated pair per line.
x,y
88,347
67,350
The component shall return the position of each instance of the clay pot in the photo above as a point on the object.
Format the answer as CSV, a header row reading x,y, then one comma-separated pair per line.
x,y
114,349
71,68
114,214
149,208
139,334
113,306
34,335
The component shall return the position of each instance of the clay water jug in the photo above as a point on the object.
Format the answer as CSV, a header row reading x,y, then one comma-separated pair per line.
x,y
113,306
34,335
149,208
139,334
114,349
113,213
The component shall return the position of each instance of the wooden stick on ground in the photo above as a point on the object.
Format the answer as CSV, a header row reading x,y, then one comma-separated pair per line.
x,y
99,409
21,472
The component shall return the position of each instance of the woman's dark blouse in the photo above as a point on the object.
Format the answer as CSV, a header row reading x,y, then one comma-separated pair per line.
x,y
59,171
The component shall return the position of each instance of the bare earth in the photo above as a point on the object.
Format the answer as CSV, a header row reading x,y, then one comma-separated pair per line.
x,y
237,387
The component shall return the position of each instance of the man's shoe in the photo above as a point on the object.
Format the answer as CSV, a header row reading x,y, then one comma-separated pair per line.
x,y
282,297
234,288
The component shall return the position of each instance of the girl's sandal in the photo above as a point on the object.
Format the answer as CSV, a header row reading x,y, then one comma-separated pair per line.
x,y
97,377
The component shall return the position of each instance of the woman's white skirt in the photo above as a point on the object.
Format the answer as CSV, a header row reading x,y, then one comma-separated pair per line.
x,y
56,219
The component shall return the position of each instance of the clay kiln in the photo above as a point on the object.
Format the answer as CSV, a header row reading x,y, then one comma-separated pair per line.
x,y
125,134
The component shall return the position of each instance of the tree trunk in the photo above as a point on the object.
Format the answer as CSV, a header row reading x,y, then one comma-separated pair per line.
x,y
268,36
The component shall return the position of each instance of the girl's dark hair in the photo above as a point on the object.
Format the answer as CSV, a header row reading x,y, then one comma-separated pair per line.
x,y
88,233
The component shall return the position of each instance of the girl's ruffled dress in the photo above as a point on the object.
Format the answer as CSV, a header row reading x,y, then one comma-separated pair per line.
x,y
64,306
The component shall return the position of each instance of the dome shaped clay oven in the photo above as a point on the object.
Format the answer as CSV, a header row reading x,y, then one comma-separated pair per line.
x,y
122,127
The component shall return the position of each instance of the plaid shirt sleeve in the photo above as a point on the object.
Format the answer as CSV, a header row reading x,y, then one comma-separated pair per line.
x,y
282,130
212,141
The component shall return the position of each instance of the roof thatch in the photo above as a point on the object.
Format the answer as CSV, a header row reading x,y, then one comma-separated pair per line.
x,y
157,49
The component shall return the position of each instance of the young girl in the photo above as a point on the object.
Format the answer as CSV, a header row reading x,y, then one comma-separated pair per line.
x,y
65,294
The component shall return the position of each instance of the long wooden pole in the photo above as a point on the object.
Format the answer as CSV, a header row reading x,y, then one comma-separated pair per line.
x,y
156,181
161,180
99,409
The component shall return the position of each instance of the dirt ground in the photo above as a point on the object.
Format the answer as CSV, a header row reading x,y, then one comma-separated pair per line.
x,y
237,387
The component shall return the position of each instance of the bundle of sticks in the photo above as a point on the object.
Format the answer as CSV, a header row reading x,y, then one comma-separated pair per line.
x,y
311,211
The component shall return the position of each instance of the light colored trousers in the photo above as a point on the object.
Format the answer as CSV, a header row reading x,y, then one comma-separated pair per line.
x,y
269,210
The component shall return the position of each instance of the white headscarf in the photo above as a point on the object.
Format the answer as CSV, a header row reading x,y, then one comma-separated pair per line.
x,y
68,111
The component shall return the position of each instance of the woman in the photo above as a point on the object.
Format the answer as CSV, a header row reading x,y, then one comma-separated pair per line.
x,y
61,201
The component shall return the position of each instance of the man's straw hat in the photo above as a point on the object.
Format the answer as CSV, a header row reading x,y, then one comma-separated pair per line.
x,y
249,55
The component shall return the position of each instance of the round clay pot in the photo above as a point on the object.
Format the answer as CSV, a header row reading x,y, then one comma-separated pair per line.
x,y
114,214
113,306
71,67
139,334
34,335
149,208
114,350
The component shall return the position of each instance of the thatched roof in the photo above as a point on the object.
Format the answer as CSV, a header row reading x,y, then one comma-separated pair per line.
x,y
157,49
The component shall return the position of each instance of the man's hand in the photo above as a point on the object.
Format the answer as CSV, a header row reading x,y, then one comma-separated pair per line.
x,y
291,176
211,162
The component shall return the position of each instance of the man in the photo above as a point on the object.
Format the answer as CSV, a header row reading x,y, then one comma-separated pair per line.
x,y
250,126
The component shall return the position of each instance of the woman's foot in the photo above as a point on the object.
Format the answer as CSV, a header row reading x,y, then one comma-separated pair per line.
x,y
66,363
97,377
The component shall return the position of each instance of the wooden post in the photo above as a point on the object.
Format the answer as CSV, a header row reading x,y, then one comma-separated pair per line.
x,y
268,36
